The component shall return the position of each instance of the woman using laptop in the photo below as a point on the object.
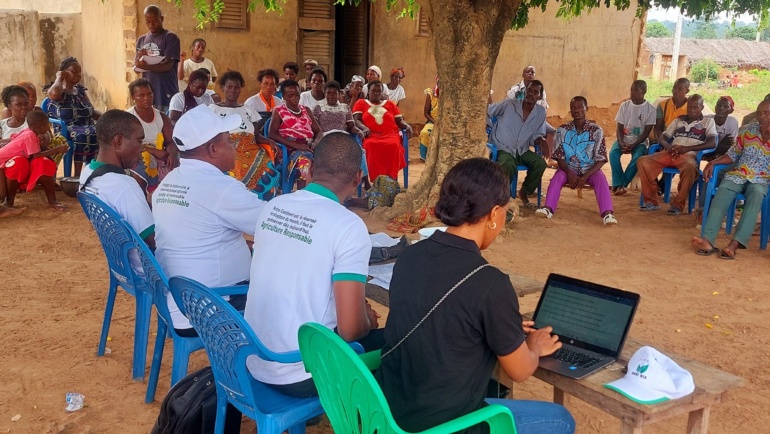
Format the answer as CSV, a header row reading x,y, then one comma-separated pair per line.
x,y
453,316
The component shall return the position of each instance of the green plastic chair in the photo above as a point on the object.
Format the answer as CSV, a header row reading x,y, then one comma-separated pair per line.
x,y
354,401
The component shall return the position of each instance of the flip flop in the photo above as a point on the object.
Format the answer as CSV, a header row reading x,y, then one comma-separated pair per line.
x,y
704,252
530,206
58,207
724,255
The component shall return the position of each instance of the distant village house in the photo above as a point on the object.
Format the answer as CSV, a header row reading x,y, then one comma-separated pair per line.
x,y
739,54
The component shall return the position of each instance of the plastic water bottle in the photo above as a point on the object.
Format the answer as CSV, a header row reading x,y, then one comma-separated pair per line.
x,y
74,401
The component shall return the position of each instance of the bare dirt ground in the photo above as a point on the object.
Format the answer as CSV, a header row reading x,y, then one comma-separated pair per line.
x,y
54,282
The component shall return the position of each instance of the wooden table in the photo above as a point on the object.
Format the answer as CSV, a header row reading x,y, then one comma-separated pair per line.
x,y
711,387
521,284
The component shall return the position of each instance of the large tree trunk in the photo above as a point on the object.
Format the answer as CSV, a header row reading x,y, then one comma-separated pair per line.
x,y
467,35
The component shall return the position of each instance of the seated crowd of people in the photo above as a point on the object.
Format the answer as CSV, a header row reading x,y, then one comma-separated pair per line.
x,y
308,110
520,133
193,171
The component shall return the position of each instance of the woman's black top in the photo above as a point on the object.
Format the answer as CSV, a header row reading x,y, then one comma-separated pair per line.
x,y
442,370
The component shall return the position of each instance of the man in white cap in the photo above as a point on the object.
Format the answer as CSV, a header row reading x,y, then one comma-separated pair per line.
x,y
201,213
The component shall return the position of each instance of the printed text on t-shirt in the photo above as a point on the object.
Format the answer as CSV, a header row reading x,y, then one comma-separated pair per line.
x,y
173,194
291,225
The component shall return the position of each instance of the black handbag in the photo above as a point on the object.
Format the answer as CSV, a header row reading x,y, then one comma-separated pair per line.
x,y
382,254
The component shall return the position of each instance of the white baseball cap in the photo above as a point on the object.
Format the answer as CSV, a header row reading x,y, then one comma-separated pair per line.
x,y
652,378
200,125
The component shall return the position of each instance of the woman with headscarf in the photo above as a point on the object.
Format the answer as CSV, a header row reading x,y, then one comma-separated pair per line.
x,y
395,92
431,114
193,95
353,91
374,73
380,121
70,104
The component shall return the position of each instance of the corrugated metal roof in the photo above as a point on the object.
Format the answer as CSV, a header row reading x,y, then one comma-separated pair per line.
x,y
726,52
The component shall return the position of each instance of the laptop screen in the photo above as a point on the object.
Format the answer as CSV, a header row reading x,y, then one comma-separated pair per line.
x,y
585,314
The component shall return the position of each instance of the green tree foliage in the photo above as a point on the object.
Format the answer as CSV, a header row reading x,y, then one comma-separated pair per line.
x,y
704,71
657,30
706,30
748,33
207,11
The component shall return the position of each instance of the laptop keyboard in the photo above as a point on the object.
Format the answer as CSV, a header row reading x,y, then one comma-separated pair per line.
x,y
575,358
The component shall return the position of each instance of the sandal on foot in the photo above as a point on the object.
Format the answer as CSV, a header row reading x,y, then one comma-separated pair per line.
x,y
649,207
706,252
58,207
530,206
621,191
725,255
609,219
544,212
674,211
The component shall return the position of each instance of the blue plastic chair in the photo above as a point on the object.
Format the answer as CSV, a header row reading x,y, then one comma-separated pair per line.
x,y
285,185
710,192
116,243
229,341
521,168
405,144
492,151
515,182
668,177
64,131
360,184
157,282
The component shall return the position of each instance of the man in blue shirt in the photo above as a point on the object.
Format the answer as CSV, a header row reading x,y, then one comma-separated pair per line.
x,y
520,125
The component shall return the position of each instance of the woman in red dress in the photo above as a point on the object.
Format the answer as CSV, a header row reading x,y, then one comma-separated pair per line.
x,y
380,121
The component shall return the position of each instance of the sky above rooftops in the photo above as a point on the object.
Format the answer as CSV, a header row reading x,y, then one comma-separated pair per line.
x,y
661,14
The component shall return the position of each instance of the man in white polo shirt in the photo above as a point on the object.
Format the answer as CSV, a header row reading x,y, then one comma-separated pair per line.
x,y
311,259
201,213
120,136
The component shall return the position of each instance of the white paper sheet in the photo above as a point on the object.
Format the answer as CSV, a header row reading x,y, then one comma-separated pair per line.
x,y
382,239
381,274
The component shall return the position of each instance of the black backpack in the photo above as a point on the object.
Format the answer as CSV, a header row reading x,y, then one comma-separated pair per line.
x,y
191,407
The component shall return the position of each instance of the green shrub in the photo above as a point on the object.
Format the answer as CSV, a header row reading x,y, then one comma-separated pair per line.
x,y
704,70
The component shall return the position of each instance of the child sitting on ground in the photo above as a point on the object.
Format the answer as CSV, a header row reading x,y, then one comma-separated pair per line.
x,y
25,161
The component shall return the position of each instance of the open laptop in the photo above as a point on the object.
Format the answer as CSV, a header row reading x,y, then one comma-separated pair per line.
x,y
592,322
